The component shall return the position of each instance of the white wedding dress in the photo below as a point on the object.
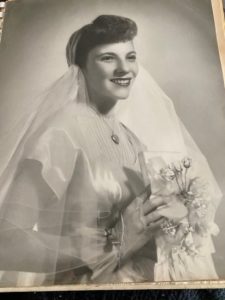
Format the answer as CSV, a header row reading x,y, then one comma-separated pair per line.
x,y
148,113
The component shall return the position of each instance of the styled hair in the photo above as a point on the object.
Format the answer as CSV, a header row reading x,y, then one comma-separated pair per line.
x,y
105,29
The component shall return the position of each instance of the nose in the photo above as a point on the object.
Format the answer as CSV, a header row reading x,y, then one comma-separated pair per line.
x,y
122,67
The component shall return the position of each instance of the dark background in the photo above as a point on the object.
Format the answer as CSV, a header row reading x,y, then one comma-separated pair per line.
x,y
217,294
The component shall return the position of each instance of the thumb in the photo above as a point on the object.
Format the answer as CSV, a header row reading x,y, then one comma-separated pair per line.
x,y
146,193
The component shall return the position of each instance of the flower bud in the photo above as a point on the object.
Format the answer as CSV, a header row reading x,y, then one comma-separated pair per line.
x,y
186,162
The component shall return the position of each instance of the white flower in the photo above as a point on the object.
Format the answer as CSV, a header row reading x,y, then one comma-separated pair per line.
x,y
176,167
167,173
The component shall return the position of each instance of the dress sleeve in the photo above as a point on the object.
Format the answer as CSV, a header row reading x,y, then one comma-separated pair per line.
x,y
32,212
52,208
66,171
57,153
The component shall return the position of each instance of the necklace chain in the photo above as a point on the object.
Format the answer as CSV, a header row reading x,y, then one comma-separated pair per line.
x,y
115,138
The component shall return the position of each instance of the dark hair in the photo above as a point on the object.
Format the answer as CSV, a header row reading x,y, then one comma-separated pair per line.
x,y
104,29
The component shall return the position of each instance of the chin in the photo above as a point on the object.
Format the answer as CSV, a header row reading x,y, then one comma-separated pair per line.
x,y
124,97
121,95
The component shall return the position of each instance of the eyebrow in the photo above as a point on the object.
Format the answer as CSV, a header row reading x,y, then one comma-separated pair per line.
x,y
113,53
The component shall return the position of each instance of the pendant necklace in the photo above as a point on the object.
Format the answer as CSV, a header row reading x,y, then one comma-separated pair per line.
x,y
114,137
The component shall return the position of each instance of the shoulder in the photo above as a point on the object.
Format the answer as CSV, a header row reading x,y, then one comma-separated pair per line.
x,y
64,118
55,145
63,122
60,130
69,117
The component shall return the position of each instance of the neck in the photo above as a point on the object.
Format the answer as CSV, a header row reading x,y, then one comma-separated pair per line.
x,y
103,105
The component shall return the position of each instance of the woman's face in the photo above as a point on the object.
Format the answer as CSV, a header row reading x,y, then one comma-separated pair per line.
x,y
110,70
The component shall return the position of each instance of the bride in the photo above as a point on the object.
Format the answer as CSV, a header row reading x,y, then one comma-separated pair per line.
x,y
101,189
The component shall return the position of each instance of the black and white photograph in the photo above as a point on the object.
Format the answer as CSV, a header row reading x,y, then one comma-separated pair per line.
x,y
112,144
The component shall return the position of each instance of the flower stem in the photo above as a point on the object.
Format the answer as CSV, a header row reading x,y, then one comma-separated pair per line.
x,y
185,179
177,181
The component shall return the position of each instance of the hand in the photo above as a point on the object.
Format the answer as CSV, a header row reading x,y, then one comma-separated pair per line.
x,y
141,222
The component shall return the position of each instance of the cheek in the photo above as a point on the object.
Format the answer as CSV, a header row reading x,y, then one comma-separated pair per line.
x,y
135,69
94,78
102,74
106,71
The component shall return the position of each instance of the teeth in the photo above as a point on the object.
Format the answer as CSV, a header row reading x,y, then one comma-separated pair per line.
x,y
124,82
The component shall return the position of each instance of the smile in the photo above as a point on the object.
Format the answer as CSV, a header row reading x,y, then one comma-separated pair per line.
x,y
122,81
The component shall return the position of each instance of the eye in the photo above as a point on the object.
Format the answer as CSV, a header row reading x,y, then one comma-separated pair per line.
x,y
132,57
107,58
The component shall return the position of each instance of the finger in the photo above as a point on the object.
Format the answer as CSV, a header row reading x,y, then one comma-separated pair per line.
x,y
153,204
155,225
148,190
146,207
152,217
157,202
146,193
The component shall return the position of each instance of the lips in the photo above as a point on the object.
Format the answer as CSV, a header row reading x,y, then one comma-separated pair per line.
x,y
121,81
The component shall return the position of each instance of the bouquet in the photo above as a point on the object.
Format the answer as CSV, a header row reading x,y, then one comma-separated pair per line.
x,y
187,214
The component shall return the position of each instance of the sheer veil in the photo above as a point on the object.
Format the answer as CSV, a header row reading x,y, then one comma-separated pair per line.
x,y
148,112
